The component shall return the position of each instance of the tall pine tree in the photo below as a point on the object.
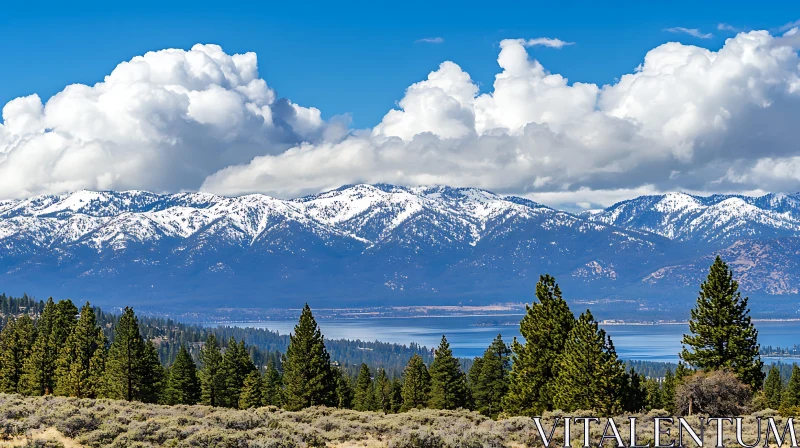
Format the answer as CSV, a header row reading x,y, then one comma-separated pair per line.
x,y
791,394
773,388
15,348
364,393
39,371
272,394
212,373
448,383
81,364
307,373
590,377
383,392
251,395
133,371
183,385
491,384
416,384
237,365
544,327
722,335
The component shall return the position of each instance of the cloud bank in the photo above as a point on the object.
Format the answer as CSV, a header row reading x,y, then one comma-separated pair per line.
x,y
687,118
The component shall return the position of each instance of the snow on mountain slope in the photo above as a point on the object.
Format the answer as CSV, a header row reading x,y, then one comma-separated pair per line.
x,y
718,219
365,242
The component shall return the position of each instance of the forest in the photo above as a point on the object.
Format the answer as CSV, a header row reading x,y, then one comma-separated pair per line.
x,y
562,362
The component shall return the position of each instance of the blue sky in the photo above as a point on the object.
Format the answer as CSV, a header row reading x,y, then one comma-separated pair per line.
x,y
648,97
354,57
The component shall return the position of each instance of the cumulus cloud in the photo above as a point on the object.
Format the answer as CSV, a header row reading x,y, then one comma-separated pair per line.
x,y
163,121
690,31
688,118
546,42
430,40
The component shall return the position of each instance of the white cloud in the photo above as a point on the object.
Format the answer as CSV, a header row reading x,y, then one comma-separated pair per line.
x,y
162,121
688,119
690,31
546,42
430,40
729,28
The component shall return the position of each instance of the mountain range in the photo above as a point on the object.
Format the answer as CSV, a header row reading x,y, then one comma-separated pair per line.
x,y
367,245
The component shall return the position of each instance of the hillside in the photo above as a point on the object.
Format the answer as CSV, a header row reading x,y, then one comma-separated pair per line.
x,y
368,245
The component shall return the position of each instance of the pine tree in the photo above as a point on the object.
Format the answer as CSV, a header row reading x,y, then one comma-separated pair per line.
x,y
307,372
397,395
251,395
544,327
152,375
237,366
383,392
38,372
364,392
590,376
668,392
773,388
272,394
491,384
344,390
791,394
448,384
416,384
129,362
212,373
15,347
183,385
653,395
79,366
722,335
634,394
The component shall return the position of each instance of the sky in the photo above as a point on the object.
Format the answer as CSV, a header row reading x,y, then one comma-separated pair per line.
x,y
569,103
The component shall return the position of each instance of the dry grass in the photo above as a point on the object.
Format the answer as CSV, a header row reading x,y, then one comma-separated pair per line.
x,y
74,423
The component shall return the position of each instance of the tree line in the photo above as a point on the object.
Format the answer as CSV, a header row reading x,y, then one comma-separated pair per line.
x,y
560,362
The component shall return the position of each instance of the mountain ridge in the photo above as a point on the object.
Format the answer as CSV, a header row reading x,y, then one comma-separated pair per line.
x,y
364,244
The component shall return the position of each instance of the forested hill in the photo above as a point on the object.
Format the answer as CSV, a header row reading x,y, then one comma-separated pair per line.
x,y
266,347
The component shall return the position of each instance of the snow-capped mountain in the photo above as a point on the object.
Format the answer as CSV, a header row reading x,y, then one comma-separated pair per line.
x,y
718,219
376,244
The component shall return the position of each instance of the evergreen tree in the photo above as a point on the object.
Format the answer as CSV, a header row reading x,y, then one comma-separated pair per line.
x,y
416,384
544,327
773,388
251,395
237,365
15,347
152,375
722,335
272,394
791,395
80,366
364,393
492,383
448,384
183,385
212,373
383,392
133,371
307,373
653,395
590,376
38,372
668,392
397,395
634,394
344,390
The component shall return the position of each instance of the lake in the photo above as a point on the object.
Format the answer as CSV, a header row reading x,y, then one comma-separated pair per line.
x,y
470,335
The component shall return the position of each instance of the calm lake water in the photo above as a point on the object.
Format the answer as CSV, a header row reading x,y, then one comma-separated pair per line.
x,y
470,335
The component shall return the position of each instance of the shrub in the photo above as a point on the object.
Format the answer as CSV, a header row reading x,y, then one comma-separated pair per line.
x,y
716,393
